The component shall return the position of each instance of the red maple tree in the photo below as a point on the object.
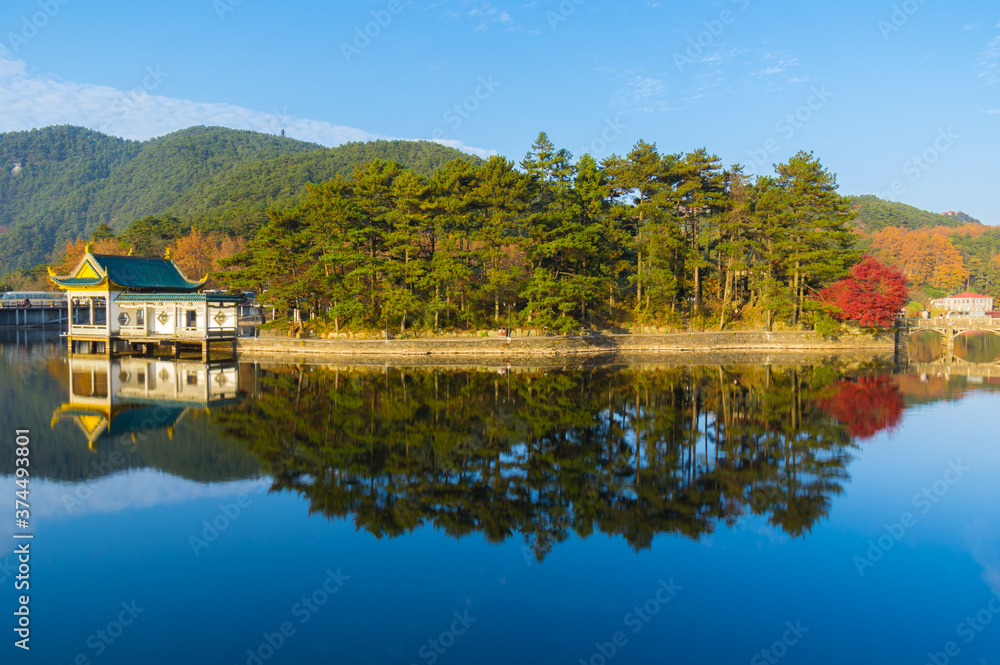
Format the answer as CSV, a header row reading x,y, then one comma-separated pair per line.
x,y
866,406
872,294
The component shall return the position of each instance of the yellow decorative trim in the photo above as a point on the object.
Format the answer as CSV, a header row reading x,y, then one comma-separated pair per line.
x,y
87,271
52,273
104,285
87,247
130,250
168,254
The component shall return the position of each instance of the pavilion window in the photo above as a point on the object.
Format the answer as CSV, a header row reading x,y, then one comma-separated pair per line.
x,y
100,312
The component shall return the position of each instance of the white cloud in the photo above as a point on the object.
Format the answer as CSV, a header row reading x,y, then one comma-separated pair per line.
x,y
989,62
483,14
132,490
781,66
31,100
642,94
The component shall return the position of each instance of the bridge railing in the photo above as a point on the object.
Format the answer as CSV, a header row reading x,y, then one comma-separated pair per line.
x,y
968,323
33,303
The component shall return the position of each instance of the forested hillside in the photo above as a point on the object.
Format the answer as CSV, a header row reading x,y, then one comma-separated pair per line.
x,y
236,201
940,254
875,214
60,183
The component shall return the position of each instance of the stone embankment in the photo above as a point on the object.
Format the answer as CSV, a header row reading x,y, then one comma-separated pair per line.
x,y
583,345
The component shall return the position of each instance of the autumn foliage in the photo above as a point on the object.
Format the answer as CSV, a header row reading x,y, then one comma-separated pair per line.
x,y
926,256
866,406
75,249
872,295
196,253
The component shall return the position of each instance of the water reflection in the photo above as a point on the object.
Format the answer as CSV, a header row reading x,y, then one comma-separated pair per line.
x,y
629,451
109,397
926,346
978,347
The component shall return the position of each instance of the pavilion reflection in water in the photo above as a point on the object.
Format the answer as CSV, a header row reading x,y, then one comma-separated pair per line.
x,y
109,397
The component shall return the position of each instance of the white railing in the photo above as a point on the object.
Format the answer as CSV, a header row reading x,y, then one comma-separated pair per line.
x,y
32,304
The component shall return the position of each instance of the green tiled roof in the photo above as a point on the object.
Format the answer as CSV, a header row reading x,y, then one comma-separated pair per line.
x,y
136,272
178,297
79,281
139,420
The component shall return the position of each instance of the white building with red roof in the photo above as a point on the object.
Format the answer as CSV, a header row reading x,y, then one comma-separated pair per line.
x,y
969,303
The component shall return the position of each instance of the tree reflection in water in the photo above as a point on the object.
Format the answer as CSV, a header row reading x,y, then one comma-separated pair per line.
x,y
629,451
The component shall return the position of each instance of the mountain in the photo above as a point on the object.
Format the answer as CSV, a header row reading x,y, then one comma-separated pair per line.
x,y
238,199
875,214
60,183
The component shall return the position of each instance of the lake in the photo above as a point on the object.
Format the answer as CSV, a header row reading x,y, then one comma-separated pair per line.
x,y
794,510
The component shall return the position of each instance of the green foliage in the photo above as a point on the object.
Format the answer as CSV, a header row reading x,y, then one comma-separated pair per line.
x,y
150,236
73,181
875,214
606,450
561,245
826,325
981,257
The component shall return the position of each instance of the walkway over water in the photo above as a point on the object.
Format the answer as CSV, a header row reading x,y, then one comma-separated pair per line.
x,y
956,325
35,314
951,328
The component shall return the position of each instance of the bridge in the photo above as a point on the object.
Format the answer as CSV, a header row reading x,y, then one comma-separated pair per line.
x,y
950,328
954,366
35,314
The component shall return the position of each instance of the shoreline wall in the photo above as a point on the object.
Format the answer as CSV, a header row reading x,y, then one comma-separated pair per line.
x,y
790,341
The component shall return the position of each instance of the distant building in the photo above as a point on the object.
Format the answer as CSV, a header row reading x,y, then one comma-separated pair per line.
x,y
950,213
972,304
16,168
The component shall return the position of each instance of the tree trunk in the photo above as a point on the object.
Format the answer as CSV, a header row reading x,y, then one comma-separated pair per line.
x,y
795,289
726,294
638,269
638,282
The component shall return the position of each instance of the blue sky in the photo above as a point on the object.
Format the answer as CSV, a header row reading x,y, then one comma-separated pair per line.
x,y
897,98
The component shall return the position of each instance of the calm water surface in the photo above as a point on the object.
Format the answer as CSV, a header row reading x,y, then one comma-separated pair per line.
x,y
820,511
